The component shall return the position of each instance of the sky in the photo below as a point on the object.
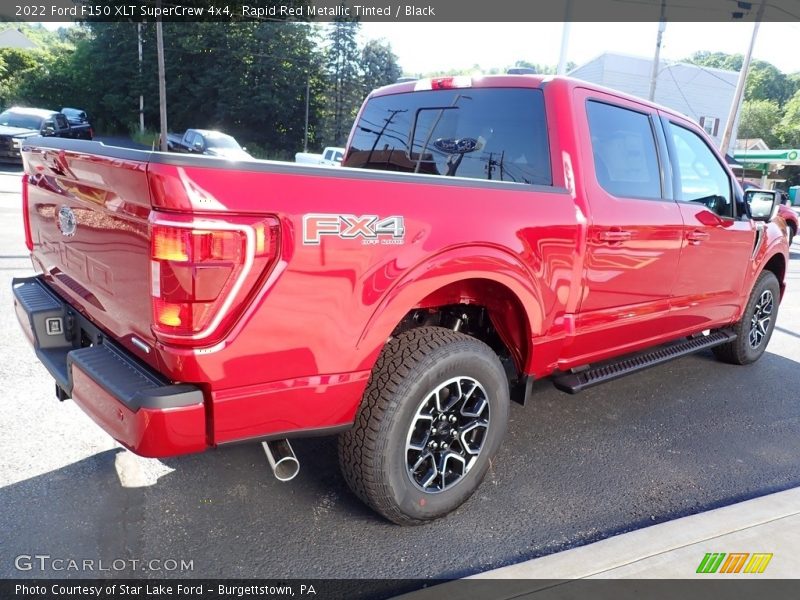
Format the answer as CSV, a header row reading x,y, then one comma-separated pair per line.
x,y
429,47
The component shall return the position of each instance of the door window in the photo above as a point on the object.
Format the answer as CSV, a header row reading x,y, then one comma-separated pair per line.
x,y
624,149
700,176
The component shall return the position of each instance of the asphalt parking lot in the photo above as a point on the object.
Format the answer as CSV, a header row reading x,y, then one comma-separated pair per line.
x,y
675,440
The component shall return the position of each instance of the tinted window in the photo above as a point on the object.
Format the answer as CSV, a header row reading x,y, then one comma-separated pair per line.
x,y
497,134
61,122
701,177
624,149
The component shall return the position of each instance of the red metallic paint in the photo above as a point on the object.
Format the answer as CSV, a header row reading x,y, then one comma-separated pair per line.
x,y
299,353
147,432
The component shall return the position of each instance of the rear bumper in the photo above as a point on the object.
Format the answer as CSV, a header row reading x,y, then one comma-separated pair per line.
x,y
134,404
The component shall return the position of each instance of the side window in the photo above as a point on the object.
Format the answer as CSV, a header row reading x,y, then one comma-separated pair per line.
x,y
624,150
701,177
61,121
49,124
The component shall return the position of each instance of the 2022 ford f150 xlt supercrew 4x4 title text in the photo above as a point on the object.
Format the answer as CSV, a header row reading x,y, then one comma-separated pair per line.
x,y
481,233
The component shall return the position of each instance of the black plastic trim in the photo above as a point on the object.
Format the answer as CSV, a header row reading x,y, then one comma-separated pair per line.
x,y
574,382
294,434
111,367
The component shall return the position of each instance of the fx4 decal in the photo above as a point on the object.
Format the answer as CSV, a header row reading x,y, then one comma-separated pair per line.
x,y
370,228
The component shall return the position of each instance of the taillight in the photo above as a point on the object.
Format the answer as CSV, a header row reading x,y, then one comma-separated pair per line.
x,y
444,83
202,273
26,218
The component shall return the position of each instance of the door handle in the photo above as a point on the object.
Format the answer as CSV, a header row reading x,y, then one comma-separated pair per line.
x,y
614,235
696,236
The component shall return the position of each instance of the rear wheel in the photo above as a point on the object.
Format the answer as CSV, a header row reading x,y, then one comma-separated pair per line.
x,y
433,415
754,330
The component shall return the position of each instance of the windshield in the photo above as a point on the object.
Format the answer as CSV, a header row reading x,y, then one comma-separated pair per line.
x,y
13,119
222,141
74,113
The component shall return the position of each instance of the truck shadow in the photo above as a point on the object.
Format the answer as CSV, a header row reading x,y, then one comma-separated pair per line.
x,y
675,440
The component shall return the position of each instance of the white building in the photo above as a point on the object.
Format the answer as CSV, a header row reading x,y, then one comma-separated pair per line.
x,y
14,38
701,93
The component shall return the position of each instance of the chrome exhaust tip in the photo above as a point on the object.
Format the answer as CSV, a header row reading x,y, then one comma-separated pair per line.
x,y
282,459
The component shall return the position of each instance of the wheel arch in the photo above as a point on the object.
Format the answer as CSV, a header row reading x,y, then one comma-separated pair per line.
x,y
777,265
474,277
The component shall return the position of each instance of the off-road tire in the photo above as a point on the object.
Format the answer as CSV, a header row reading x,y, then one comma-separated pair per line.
x,y
373,455
741,351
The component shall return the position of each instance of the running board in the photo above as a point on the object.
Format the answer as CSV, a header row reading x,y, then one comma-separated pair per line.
x,y
574,382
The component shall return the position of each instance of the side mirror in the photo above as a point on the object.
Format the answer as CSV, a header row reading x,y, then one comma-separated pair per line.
x,y
763,204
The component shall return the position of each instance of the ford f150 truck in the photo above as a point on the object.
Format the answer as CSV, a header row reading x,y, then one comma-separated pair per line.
x,y
18,124
482,233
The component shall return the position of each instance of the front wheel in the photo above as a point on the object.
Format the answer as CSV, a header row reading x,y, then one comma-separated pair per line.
x,y
433,415
754,330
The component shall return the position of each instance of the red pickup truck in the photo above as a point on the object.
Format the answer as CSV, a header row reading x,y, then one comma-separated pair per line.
x,y
482,232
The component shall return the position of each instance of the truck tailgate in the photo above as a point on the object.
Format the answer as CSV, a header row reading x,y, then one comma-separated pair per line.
x,y
89,228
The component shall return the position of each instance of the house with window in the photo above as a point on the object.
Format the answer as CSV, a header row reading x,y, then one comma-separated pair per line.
x,y
703,94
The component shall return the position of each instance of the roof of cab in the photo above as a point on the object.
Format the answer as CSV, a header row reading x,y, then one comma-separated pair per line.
x,y
516,81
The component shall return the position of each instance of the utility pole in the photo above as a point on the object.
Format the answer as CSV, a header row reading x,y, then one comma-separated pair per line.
x,y
141,96
162,82
662,25
737,96
305,131
562,57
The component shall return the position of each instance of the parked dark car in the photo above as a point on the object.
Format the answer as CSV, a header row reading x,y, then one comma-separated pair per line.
x,y
18,123
75,116
205,141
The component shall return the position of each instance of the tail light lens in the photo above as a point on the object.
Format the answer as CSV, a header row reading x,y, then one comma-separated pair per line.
x,y
26,218
444,83
203,272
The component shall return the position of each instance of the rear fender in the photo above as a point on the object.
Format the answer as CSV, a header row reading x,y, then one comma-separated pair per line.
x,y
437,281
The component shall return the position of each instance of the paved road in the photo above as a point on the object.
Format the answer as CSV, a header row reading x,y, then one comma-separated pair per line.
x,y
678,439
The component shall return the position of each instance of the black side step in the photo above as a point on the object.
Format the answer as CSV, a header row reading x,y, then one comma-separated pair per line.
x,y
574,382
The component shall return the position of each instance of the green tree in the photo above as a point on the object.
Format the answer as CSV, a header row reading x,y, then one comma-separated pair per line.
x,y
789,128
764,80
379,65
345,89
19,66
759,119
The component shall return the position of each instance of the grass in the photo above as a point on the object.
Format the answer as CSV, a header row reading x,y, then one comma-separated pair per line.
x,y
148,137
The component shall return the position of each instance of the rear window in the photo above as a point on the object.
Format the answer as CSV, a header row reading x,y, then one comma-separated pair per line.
x,y
497,134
